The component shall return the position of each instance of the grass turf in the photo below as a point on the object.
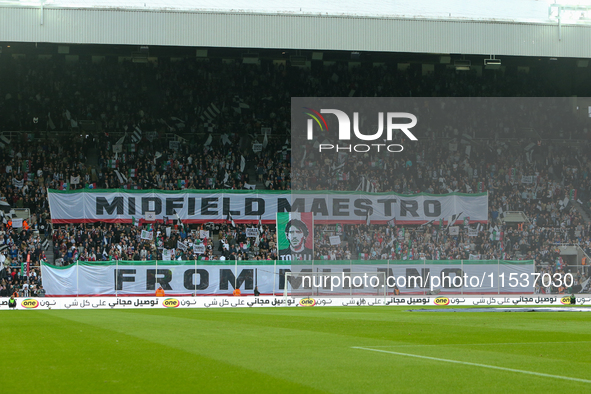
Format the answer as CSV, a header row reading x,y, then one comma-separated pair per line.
x,y
291,350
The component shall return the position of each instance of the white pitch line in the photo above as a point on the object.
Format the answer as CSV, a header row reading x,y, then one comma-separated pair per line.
x,y
484,344
476,365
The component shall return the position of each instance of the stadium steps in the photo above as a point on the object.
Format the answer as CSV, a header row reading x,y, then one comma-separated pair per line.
x,y
49,252
254,178
92,157
216,245
582,211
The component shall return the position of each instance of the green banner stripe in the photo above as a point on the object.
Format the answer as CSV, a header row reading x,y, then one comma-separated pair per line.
x,y
229,191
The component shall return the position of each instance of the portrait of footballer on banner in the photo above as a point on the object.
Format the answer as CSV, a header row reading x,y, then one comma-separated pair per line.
x,y
295,236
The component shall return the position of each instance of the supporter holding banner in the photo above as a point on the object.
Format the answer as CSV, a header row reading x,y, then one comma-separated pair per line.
x,y
335,240
252,232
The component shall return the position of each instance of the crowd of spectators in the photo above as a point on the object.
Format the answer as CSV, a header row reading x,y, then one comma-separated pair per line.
x,y
192,125
171,241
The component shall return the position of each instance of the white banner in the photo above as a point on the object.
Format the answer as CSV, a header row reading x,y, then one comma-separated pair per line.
x,y
252,232
454,230
199,248
335,240
203,234
147,235
17,223
202,206
189,277
527,179
257,147
472,232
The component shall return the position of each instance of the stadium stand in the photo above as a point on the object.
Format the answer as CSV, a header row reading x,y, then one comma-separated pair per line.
x,y
214,111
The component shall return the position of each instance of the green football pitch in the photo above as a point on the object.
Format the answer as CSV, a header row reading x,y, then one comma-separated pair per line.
x,y
299,350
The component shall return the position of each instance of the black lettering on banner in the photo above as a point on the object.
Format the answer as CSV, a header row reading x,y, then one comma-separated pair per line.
x,y
447,281
413,279
172,203
189,281
227,276
191,206
346,282
409,206
260,206
283,205
338,204
432,208
295,282
162,276
349,282
389,273
103,205
121,276
387,205
326,284
206,204
364,205
146,205
131,206
226,206
298,205
319,206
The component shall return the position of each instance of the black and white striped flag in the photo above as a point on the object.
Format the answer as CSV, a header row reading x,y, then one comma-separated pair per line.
x,y
209,126
45,244
136,136
178,218
466,139
210,113
238,104
2,247
428,223
230,219
453,219
366,186
367,219
122,178
3,215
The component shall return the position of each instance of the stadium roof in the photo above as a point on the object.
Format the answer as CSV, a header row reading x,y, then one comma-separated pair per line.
x,y
528,10
494,27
